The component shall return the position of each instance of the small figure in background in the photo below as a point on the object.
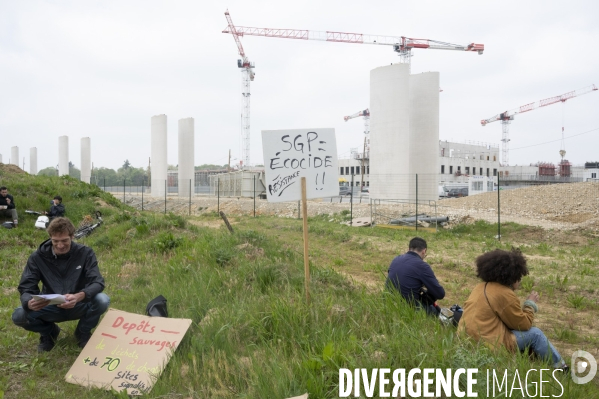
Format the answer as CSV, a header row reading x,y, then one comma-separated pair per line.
x,y
7,206
57,209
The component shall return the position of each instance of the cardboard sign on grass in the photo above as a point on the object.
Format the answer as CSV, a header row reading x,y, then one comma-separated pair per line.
x,y
292,154
127,351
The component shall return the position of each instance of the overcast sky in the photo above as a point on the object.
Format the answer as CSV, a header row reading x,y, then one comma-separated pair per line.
x,y
102,69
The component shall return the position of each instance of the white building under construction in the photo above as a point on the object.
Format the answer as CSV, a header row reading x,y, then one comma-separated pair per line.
x,y
455,163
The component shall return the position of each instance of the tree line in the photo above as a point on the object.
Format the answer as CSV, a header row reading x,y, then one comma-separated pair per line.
x,y
109,177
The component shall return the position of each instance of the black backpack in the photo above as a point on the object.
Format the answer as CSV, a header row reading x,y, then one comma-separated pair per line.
x,y
157,307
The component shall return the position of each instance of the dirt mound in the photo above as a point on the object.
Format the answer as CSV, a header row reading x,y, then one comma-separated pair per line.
x,y
9,168
572,203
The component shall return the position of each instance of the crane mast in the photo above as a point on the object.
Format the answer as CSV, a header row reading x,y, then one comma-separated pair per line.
x,y
365,114
508,116
247,76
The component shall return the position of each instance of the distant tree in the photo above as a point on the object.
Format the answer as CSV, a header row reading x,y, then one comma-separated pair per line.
x,y
74,172
49,171
210,166
173,167
131,176
105,176
126,165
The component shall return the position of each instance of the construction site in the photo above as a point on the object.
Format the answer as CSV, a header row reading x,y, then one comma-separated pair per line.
x,y
401,160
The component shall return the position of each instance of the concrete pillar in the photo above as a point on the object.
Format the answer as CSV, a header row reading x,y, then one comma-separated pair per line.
x,y
33,161
14,156
86,159
0,158
186,156
389,132
63,155
424,134
158,160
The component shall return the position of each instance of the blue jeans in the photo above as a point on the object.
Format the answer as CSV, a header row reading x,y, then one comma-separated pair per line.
x,y
538,342
43,320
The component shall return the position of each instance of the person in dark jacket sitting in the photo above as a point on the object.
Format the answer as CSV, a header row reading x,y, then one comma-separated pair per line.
x,y
414,278
67,268
57,208
7,206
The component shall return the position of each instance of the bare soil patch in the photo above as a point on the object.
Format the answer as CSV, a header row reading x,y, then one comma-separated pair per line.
x,y
9,168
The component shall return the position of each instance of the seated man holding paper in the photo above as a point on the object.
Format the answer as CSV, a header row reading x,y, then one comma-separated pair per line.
x,y
71,288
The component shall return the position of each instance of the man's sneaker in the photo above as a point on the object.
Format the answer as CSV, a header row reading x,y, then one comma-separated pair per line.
x,y
47,342
82,338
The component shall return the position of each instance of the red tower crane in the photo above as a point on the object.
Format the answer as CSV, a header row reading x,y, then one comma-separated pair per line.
x,y
247,76
401,44
508,116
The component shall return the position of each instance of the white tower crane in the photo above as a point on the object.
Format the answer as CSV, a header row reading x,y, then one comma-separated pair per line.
x,y
508,116
401,44
365,114
247,76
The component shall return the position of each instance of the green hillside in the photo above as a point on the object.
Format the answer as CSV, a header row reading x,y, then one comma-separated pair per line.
x,y
253,335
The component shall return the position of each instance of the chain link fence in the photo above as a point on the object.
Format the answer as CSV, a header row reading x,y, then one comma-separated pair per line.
x,y
405,200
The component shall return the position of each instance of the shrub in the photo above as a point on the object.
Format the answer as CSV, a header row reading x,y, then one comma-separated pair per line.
x,y
166,242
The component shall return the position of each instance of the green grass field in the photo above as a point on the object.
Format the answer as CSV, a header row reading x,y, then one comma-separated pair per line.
x,y
253,335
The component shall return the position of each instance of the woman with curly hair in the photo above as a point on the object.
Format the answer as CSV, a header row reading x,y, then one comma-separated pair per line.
x,y
493,313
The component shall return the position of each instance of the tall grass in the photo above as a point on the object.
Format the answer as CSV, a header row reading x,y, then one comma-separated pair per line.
x,y
253,335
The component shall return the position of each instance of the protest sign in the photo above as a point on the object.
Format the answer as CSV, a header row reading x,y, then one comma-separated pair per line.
x,y
292,154
127,351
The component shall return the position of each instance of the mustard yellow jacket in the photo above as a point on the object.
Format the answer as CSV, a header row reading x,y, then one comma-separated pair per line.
x,y
491,319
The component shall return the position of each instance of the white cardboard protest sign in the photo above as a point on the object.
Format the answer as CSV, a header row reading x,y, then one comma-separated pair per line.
x,y
292,154
127,351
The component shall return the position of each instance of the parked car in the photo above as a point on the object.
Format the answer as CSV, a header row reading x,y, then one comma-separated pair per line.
x,y
365,190
443,191
345,190
457,192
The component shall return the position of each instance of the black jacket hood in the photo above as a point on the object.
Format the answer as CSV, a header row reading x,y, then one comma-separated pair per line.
x,y
45,250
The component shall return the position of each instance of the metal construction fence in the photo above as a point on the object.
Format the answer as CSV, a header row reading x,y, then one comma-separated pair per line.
x,y
417,200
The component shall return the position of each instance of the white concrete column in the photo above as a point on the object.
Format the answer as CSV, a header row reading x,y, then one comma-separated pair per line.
x,y
14,155
33,161
186,156
424,134
86,159
389,132
0,158
63,155
158,160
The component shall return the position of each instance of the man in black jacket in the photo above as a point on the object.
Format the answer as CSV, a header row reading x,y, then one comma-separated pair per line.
x,y
7,206
57,208
67,268
414,278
